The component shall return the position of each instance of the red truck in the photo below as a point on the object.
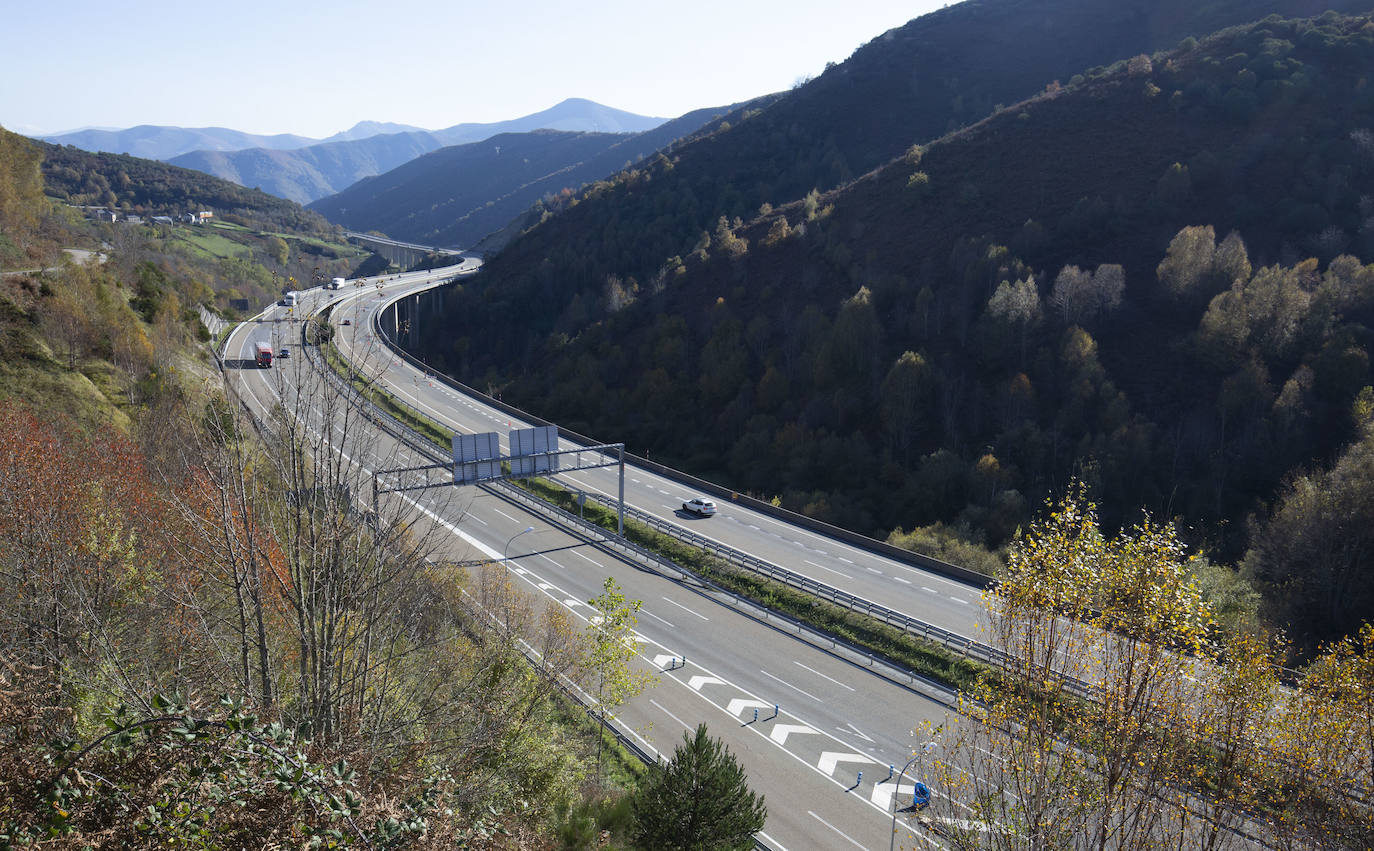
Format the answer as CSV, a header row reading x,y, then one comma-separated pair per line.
x,y
264,355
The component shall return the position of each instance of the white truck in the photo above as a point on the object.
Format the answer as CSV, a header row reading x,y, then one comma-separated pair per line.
x,y
289,300
336,283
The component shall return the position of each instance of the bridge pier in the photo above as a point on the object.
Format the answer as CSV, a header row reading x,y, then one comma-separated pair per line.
x,y
404,254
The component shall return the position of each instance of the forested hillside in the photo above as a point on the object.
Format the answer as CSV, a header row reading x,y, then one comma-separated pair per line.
x,y
910,85
253,248
125,182
1149,277
21,182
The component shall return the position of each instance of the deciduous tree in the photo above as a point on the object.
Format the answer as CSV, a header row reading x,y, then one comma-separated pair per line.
x,y
1087,735
611,650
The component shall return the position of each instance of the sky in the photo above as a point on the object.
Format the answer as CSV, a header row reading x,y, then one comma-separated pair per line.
x,y
315,68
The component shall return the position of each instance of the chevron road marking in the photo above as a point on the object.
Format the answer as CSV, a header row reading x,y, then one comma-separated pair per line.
x,y
830,759
782,731
695,683
828,762
883,792
740,704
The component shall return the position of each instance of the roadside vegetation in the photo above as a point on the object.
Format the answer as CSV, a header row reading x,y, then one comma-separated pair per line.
x,y
1192,732
206,642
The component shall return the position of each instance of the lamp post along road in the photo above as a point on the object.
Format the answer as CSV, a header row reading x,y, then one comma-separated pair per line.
x,y
506,550
918,757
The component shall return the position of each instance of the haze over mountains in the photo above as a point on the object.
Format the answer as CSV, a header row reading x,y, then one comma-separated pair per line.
x,y
303,169
461,194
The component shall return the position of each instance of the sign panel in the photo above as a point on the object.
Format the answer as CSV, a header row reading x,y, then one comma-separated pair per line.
x,y
530,448
476,457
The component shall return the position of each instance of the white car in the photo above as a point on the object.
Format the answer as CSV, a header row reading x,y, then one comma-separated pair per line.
x,y
700,507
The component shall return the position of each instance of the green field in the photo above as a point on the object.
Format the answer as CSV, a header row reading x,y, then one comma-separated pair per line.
x,y
206,243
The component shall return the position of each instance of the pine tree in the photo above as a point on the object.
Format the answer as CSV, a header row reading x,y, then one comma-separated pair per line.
x,y
700,800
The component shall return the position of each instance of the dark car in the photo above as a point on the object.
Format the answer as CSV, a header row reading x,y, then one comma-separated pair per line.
x,y
348,322
284,353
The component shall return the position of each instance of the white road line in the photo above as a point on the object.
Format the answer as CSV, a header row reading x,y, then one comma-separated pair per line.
x,y
505,515
845,560
789,685
831,569
841,833
819,674
928,588
957,600
569,602
685,609
874,570
695,685
901,580
771,842
684,724
657,618
584,558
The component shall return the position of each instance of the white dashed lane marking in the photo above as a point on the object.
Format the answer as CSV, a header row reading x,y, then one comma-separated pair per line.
x,y
685,609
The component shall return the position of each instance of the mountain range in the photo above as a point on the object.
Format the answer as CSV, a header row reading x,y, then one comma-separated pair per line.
x,y
462,194
303,169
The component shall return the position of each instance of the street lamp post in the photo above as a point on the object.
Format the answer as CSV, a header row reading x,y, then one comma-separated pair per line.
x,y
512,538
919,757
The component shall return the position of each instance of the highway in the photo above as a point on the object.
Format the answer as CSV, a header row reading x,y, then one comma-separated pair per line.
x,y
821,758
927,596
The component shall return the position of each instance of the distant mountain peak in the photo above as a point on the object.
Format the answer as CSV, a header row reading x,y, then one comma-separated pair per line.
x,y
368,129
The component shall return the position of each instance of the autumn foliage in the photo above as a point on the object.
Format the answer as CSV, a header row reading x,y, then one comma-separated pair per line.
x,y
1123,717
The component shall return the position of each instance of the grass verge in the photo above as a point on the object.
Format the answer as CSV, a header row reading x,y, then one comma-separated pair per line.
x,y
915,654
429,429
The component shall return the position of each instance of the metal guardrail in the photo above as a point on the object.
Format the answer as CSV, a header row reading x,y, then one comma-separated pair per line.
x,y
863,542
602,538
914,626
960,644
605,540
955,642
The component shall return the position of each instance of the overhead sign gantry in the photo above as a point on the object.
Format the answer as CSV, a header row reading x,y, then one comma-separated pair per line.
x,y
477,459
